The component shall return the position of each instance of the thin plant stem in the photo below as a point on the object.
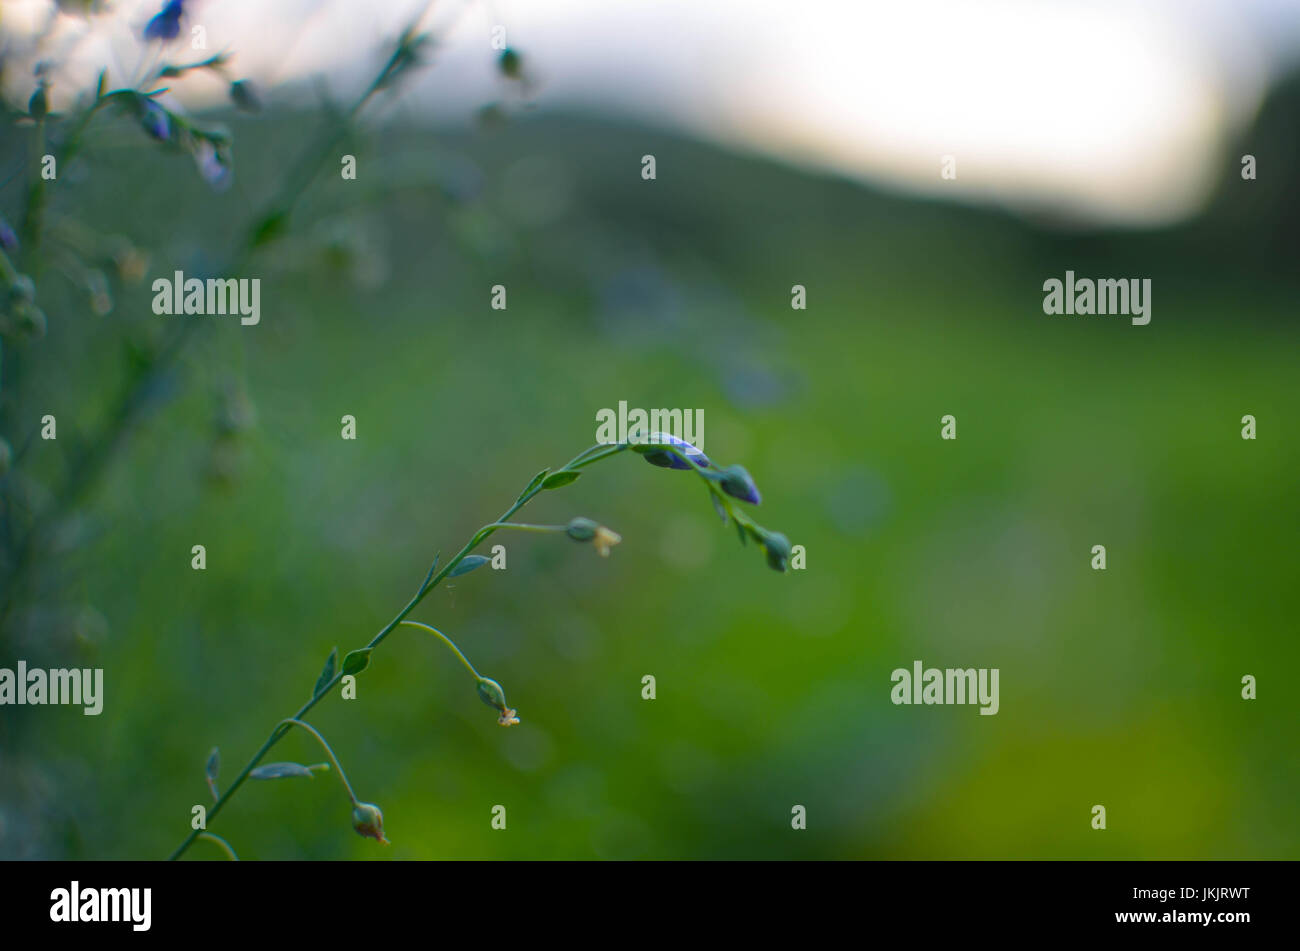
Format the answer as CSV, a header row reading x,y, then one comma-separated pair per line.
x,y
519,526
448,641
328,752
283,727
432,580
221,844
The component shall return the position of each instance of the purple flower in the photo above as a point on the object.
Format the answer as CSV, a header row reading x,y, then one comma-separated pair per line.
x,y
8,237
155,120
214,165
166,24
667,460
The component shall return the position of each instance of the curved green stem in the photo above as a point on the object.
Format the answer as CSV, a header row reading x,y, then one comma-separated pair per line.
x,y
608,451
221,844
448,641
582,455
328,752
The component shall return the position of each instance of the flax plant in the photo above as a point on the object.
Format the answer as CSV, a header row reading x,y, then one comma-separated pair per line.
x,y
726,486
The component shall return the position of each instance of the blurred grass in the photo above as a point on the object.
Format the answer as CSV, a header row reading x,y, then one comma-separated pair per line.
x,y
1120,688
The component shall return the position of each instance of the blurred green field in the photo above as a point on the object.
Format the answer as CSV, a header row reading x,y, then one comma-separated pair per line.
x,y
1119,687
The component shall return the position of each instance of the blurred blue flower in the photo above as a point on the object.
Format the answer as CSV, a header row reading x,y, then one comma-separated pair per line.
x,y
166,24
8,237
213,165
667,460
155,120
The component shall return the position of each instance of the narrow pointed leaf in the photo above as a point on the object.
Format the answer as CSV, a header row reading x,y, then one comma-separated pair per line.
x,y
717,507
432,568
326,675
280,771
469,564
536,481
562,478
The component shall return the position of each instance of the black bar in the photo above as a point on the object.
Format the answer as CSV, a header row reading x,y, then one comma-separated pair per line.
x,y
928,899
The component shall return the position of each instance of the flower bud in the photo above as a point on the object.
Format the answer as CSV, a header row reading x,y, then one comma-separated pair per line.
x,y
166,24
369,821
667,460
213,162
510,63
22,290
244,96
155,120
737,482
777,547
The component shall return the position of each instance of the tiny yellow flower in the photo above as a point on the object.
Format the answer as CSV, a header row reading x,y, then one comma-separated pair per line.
x,y
508,717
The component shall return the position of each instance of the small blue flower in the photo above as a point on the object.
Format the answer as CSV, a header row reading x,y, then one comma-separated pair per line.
x,y
166,24
667,460
155,120
8,237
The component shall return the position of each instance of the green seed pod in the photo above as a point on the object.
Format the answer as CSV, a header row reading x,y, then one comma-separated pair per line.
x,y
490,692
582,529
369,821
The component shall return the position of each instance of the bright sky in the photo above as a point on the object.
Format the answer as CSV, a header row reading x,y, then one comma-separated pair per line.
x,y
1104,110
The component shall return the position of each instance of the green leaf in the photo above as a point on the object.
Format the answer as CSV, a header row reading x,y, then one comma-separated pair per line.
x,y
326,675
280,771
536,481
214,765
717,507
432,568
469,564
562,478
356,661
